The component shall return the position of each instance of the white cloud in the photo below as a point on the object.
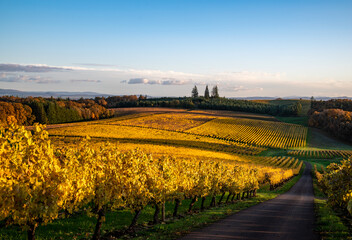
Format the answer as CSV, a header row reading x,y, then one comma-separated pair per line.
x,y
30,68
241,88
164,81
138,81
85,80
25,78
173,81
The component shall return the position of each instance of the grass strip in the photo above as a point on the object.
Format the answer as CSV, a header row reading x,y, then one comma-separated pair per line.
x,y
328,224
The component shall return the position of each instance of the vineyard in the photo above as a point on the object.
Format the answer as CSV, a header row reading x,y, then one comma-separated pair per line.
x,y
242,133
255,132
324,154
40,183
139,134
167,121
161,162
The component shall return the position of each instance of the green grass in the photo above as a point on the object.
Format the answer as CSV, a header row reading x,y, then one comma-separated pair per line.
x,y
319,140
320,162
295,120
80,226
328,224
273,152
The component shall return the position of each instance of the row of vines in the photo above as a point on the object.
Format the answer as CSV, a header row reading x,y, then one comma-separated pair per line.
x,y
255,132
321,153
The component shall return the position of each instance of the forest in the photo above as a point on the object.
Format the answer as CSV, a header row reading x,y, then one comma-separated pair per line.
x,y
333,116
49,110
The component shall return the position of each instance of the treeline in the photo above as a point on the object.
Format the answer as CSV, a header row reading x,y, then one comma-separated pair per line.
x,y
50,110
319,106
122,101
218,103
335,121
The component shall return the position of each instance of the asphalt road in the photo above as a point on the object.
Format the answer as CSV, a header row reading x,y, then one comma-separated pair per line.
x,y
289,216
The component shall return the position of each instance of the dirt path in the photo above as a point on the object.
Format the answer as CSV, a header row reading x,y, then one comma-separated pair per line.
x,y
289,216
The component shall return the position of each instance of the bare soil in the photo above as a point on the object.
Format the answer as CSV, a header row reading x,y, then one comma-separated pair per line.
x,y
289,216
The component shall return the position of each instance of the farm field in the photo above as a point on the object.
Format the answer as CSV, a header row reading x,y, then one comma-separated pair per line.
x,y
179,135
261,133
167,121
137,134
238,130
204,112
204,141
146,181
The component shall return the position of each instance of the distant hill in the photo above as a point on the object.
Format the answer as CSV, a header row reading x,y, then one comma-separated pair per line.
x,y
77,95
291,97
71,95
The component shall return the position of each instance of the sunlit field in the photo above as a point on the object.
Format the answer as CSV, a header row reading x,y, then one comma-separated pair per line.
x,y
256,132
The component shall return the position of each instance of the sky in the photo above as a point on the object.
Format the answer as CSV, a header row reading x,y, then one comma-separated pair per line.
x,y
164,48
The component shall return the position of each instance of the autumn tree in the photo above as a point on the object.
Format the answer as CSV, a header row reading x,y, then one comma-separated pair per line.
x,y
21,112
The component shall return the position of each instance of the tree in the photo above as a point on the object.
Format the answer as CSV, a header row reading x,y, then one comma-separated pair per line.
x,y
39,112
206,93
311,102
52,113
195,92
298,108
215,92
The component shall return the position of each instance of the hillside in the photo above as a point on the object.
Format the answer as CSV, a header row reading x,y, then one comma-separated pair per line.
x,y
209,145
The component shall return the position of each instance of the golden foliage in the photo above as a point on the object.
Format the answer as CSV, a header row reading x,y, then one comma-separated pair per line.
x,y
256,132
33,188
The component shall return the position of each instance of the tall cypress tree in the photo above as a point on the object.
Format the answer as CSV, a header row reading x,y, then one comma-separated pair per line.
x,y
206,93
51,112
215,92
195,92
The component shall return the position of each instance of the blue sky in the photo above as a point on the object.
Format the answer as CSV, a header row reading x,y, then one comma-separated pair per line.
x,y
164,48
